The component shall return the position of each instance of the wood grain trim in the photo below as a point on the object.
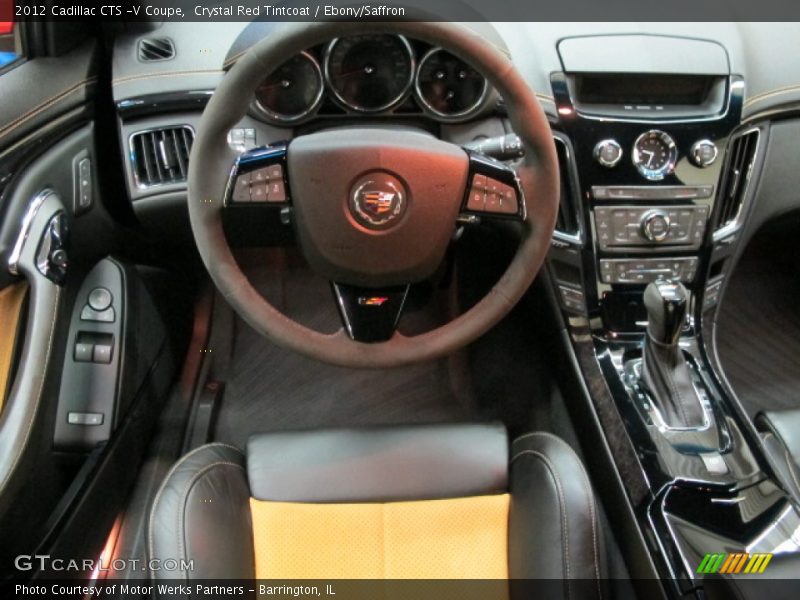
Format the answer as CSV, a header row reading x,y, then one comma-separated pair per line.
x,y
12,299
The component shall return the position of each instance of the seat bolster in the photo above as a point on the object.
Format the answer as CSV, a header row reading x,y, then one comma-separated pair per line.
x,y
201,516
780,435
379,464
553,511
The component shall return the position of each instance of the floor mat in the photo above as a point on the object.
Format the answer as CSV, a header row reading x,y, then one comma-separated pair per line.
x,y
758,327
270,389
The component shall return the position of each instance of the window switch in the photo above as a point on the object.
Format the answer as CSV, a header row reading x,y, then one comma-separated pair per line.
x,y
81,418
102,354
84,352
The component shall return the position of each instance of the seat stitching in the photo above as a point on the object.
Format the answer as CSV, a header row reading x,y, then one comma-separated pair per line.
x,y
593,518
165,482
590,497
185,495
562,508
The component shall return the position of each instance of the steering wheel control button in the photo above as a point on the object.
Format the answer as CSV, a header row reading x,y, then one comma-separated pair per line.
x,y
608,153
703,153
377,200
276,191
655,226
488,195
261,185
477,193
100,299
241,190
259,191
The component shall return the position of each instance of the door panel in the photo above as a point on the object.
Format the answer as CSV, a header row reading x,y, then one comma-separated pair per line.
x,y
45,125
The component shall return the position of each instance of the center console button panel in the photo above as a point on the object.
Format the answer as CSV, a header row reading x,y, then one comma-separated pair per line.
x,y
626,226
645,270
662,192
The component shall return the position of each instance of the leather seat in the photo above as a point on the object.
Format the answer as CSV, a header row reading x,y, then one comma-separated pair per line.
x,y
433,491
780,434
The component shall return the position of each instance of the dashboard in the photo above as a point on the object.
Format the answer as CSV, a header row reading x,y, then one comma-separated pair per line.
x,y
661,131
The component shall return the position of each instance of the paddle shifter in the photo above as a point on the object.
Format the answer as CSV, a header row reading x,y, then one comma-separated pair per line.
x,y
665,372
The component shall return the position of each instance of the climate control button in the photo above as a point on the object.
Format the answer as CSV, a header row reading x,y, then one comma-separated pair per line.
x,y
655,225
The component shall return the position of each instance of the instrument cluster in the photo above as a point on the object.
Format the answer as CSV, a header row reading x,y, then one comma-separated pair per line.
x,y
372,74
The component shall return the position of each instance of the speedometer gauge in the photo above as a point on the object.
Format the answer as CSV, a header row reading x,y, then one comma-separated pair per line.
x,y
655,154
447,86
292,91
369,73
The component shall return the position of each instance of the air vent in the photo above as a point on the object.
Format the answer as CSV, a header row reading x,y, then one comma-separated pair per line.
x,y
161,156
568,222
155,49
733,188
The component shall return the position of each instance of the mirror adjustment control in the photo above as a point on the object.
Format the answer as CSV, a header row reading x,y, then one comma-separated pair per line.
x,y
655,225
100,299
608,153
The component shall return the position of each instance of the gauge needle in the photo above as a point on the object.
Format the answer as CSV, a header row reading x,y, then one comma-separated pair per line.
x,y
284,83
650,156
366,69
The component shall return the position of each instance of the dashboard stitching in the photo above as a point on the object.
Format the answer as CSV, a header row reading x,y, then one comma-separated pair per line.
x,y
167,74
14,124
232,60
770,93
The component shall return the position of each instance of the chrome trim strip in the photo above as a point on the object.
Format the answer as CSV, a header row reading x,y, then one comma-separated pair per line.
x,y
25,229
574,199
737,222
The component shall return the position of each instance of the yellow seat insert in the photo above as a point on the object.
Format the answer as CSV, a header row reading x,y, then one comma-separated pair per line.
x,y
458,538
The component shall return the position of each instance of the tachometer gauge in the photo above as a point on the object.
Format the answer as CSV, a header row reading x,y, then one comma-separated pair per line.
x,y
292,91
369,73
655,154
447,86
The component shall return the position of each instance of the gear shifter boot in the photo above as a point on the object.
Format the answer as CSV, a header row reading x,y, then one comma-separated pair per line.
x,y
666,376
665,372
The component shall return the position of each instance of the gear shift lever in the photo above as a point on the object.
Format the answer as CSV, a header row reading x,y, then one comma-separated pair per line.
x,y
666,311
664,370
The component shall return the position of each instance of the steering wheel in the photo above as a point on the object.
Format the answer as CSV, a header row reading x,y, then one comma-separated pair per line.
x,y
374,209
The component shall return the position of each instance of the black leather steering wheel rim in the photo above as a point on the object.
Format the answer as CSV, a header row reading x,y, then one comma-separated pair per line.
x,y
212,158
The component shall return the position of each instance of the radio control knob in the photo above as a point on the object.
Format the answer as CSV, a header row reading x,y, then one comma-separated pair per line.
x,y
608,153
703,153
655,225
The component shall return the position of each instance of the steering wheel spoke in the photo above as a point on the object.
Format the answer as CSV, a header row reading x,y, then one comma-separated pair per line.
x,y
370,315
260,178
493,190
